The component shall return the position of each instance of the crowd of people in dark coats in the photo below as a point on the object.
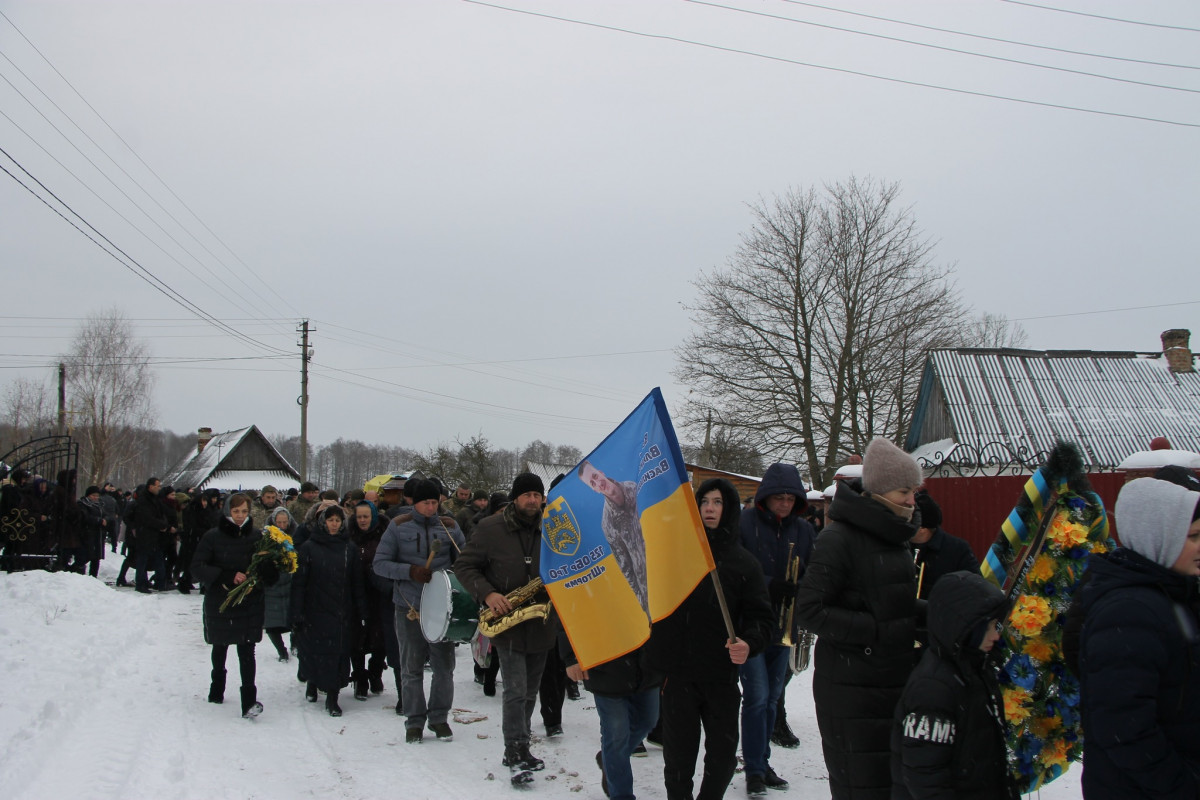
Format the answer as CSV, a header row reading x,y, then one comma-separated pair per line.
x,y
905,674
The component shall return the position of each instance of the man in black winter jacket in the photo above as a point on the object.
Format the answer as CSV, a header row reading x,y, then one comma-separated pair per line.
x,y
152,520
693,649
776,533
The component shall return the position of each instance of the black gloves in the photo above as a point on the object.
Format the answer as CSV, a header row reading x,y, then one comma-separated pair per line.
x,y
781,590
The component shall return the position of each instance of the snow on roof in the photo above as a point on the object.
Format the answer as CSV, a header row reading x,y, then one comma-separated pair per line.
x,y
932,454
1110,404
848,471
236,480
196,469
1152,459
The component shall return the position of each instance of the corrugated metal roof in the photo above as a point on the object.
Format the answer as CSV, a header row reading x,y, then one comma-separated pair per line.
x,y
1110,404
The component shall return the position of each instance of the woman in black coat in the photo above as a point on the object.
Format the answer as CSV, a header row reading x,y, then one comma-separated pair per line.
x,y
691,647
221,562
376,648
328,607
859,596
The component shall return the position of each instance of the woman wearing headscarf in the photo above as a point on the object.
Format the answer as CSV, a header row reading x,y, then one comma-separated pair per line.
x,y
375,649
276,622
859,596
1139,650
221,562
328,606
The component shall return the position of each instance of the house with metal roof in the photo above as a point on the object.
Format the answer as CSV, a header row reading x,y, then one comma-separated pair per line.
x,y
233,461
986,404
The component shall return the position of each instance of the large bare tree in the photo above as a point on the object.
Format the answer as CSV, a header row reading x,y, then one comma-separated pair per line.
x,y
109,392
28,411
812,337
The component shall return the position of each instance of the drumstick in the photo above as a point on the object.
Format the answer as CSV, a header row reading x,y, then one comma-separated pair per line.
x,y
448,536
433,550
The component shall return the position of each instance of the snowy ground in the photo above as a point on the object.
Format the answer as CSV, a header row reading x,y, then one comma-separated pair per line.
x,y
104,697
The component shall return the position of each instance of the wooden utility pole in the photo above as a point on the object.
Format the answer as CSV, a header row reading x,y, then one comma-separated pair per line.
x,y
62,398
306,355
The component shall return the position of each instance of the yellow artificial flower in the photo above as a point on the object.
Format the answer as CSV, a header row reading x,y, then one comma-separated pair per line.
x,y
275,534
1030,615
1016,708
1055,753
1039,650
1042,569
1067,534
1044,726
1099,547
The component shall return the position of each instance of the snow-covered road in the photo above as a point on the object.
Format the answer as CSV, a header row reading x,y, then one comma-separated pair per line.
x,y
104,697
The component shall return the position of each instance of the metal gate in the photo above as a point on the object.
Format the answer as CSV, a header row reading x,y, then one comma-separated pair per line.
x,y
32,530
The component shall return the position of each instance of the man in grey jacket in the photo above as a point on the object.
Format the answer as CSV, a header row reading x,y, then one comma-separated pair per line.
x,y
413,547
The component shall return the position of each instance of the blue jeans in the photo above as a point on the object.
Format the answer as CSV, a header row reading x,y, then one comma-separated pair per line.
x,y
624,723
762,684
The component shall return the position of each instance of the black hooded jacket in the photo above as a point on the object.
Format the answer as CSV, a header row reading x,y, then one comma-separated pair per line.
x,y
691,641
223,552
1140,684
948,735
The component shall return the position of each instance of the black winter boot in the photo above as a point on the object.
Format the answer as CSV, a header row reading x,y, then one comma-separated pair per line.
x,y
528,760
331,704
310,692
251,708
216,690
361,687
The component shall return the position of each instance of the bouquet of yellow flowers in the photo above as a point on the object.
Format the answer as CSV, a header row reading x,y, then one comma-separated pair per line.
x,y
275,549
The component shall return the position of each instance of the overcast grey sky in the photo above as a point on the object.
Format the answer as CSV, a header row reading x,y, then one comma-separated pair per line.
x,y
493,218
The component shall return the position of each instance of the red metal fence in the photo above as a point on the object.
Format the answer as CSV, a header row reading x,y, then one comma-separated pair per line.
x,y
974,508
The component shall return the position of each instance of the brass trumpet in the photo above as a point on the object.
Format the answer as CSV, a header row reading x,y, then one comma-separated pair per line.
x,y
801,655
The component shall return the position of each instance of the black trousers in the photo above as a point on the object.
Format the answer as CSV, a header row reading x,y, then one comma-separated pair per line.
x,y
553,689
686,707
246,664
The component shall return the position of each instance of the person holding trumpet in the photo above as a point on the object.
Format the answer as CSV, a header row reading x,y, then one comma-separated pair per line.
x,y
775,532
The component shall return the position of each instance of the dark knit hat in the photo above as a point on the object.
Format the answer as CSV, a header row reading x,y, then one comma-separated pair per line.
x,y
309,486
479,494
424,490
887,467
526,482
1180,476
91,490
931,512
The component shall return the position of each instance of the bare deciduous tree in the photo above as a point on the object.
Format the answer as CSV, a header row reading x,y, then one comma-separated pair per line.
x,y
812,339
993,330
28,411
109,391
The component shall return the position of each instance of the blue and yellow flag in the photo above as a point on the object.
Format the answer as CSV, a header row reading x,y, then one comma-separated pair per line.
x,y
622,541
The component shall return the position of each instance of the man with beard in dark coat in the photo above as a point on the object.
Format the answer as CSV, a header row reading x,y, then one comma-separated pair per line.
x,y
859,596
692,648
504,555
775,532
948,737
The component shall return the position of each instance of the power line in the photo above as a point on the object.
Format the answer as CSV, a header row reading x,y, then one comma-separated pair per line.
x,y
1101,16
991,38
842,70
150,169
1108,311
959,51
129,263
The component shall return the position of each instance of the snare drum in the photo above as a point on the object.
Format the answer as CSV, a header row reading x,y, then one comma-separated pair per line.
x,y
448,613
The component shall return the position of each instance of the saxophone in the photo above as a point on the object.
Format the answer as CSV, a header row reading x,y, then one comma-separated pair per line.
x,y
524,609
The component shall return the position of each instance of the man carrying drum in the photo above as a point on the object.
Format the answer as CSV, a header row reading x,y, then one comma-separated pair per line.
x,y
414,546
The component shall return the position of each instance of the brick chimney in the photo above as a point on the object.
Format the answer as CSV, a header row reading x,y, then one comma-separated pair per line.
x,y
1176,349
202,438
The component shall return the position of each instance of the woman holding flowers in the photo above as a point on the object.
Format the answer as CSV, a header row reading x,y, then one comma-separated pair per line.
x,y
221,563
328,606
1139,649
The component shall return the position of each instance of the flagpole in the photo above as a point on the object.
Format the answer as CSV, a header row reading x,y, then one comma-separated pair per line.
x,y
724,607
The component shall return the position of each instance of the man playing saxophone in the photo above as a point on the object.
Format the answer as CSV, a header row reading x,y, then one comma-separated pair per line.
x,y
502,556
